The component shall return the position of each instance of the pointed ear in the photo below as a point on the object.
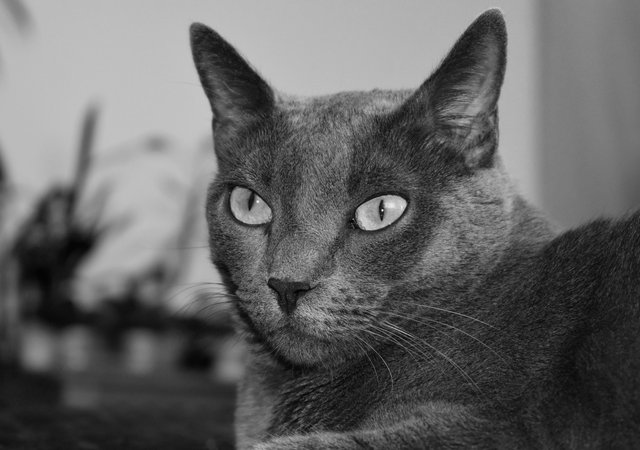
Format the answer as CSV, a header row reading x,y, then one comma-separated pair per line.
x,y
461,96
239,97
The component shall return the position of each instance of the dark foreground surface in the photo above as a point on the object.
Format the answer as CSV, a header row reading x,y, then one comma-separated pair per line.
x,y
146,413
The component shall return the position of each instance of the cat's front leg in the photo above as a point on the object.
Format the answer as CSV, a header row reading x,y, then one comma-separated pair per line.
x,y
384,439
312,441
441,426
381,439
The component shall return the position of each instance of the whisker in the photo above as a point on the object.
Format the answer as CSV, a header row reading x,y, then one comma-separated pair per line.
x,y
199,300
400,342
223,308
420,321
213,314
201,293
196,283
218,306
409,318
388,336
186,247
449,312
381,358
190,286
443,355
373,366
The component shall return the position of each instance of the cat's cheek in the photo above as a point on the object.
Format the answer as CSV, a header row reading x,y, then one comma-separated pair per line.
x,y
383,260
391,255
242,250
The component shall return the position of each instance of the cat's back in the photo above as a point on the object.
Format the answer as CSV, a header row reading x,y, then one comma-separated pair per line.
x,y
590,277
599,260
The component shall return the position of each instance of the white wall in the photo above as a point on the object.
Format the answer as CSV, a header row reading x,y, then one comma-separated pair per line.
x,y
133,57
590,109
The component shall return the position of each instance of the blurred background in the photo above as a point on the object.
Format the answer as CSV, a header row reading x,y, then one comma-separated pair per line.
x,y
114,330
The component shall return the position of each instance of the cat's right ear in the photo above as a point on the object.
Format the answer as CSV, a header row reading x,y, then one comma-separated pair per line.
x,y
459,100
239,97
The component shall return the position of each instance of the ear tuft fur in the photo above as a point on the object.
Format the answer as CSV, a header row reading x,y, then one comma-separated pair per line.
x,y
460,98
237,94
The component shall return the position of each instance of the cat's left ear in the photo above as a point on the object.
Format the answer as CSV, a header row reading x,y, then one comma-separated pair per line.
x,y
461,96
239,97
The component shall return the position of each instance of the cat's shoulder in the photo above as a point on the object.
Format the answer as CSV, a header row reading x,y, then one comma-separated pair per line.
x,y
599,255
602,239
600,259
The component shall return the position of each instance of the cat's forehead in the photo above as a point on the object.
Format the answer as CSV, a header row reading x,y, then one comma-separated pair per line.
x,y
320,132
341,109
323,131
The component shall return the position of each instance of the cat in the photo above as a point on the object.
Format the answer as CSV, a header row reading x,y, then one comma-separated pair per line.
x,y
394,289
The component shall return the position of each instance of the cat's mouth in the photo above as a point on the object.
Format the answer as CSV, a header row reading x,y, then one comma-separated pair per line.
x,y
289,325
295,339
301,347
296,329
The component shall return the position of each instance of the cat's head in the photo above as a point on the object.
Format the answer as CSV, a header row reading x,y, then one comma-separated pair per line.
x,y
328,211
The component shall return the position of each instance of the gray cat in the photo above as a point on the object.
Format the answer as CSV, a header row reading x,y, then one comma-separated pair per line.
x,y
394,289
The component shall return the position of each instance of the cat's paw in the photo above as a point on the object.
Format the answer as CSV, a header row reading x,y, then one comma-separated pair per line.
x,y
314,441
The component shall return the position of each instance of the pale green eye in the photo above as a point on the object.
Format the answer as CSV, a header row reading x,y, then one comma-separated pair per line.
x,y
380,212
248,207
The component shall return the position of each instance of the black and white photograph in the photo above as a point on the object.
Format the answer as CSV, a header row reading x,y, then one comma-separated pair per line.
x,y
337,224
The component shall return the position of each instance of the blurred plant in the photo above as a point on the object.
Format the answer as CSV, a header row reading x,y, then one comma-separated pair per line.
x,y
3,184
51,243
17,12
17,15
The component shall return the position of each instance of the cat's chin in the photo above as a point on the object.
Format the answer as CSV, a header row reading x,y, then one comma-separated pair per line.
x,y
302,349
300,340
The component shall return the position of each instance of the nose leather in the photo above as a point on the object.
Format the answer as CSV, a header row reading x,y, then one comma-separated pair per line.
x,y
288,292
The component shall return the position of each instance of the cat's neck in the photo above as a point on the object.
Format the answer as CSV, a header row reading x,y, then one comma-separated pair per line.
x,y
530,228
464,263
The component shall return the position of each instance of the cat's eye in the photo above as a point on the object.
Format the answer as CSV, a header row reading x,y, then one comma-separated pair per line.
x,y
379,212
248,207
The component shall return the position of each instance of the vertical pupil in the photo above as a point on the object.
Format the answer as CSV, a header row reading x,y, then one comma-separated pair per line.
x,y
381,210
251,200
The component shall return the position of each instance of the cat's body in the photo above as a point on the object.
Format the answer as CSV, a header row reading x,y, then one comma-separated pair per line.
x,y
462,321
559,365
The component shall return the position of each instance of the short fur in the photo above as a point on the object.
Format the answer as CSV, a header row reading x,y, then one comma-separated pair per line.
x,y
467,323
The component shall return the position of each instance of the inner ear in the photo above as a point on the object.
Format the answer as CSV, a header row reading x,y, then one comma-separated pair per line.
x,y
459,100
239,97
467,83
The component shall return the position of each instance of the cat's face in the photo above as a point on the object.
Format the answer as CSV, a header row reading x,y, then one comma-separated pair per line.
x,y
326,212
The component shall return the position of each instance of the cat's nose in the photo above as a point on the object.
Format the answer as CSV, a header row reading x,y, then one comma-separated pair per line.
x,y
288,292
